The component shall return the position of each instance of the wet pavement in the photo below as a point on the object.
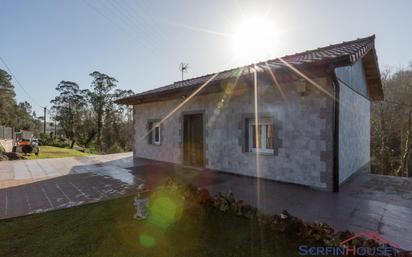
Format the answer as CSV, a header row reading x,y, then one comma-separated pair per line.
x,y
366,203
36,186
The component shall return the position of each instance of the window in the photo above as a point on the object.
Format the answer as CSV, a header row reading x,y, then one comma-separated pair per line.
x,y
264,135
154,133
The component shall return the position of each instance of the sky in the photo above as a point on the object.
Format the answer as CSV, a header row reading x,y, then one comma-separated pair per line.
x,y
142,42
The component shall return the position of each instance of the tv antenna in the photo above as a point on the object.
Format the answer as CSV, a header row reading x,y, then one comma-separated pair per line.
x,y
183,67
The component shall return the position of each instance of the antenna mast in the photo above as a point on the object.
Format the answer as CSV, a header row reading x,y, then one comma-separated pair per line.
x,y
183,67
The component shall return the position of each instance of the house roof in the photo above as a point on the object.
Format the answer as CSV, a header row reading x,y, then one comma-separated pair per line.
x,y
342,54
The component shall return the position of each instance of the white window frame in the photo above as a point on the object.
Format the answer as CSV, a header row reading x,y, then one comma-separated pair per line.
x,y
262,149
155,126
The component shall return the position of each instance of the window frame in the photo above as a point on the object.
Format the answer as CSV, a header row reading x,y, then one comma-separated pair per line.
x,y
250,137
156,126
153,126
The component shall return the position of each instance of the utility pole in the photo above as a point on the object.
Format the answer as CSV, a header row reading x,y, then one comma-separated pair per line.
x,y
44,121
183,67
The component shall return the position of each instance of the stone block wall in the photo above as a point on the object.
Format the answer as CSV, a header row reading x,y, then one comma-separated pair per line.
x,y
303,128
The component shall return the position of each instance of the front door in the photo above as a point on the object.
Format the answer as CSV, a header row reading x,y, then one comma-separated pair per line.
x,y
193,140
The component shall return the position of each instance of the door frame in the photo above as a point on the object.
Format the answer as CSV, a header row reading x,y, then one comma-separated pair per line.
x,y
182,124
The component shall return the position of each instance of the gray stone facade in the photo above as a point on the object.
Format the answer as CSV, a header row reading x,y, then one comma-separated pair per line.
x,y
354,121
303,131
315,132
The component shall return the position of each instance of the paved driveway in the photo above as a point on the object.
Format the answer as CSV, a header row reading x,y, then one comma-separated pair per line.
x,y
40,185
366,203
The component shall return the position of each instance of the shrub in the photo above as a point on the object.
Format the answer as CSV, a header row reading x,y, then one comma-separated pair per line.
x,y
311,233
45,139
114,148
61,144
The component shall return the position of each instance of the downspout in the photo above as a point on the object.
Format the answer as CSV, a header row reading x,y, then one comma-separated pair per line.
x,y
335,171
134,133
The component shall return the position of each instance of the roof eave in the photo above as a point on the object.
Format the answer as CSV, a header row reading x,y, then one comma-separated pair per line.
x,y
366,51
373,77
184,91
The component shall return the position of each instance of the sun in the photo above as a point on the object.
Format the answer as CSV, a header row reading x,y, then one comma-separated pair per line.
x,y
255,39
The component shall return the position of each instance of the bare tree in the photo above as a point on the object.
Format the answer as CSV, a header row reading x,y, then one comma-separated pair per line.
x,y
391,124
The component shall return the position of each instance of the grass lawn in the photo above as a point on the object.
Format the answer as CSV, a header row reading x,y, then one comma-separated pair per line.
x,y
55,152
172,229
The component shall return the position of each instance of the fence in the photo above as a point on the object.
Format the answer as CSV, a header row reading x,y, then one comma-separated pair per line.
x,y
6,132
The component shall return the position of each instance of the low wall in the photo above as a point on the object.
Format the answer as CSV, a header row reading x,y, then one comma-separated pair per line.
x,y
7,144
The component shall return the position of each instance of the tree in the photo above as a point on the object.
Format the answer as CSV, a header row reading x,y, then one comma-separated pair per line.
x,y
68,107
7,101
24,120
90,117
101,100
392,125
118,128
13,114
87,132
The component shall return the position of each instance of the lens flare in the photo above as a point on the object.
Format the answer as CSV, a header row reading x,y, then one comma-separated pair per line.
x,y
146,240
276,83
227,94
256,107
255,39
165,209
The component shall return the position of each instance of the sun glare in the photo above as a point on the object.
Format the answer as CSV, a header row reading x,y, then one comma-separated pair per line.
x,y
255,39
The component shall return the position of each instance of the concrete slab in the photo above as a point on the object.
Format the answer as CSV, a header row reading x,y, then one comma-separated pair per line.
x,y
13,173
84,187
16,203
6,171
20,170
71,192
49,168
35,169
52,192
36,198
3,202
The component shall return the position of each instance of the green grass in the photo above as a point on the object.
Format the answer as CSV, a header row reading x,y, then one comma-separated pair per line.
x,y
55,152
174,228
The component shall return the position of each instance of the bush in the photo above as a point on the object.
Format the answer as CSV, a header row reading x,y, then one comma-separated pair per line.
x,y
60,143
114,148
91,150
311,233
45,139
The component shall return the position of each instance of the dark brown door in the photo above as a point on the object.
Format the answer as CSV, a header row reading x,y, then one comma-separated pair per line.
x,y
193,140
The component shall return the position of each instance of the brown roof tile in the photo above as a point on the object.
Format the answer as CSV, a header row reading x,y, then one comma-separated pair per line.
x,y
345,53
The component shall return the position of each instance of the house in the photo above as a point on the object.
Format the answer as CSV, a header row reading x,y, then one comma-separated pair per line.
x,y
312,117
